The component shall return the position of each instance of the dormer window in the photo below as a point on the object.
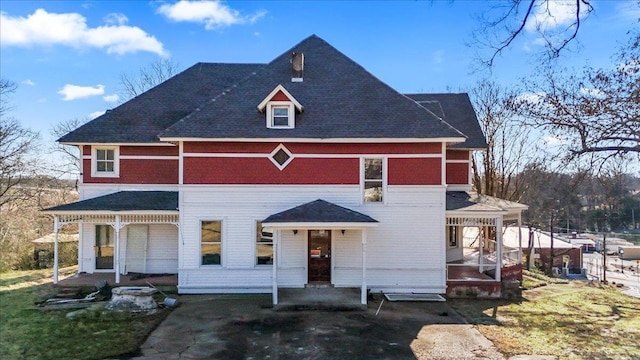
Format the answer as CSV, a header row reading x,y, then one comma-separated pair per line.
x,y
281,115
280,109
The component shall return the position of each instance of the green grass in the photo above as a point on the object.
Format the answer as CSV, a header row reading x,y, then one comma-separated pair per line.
x,y
532,279
569,321
27,332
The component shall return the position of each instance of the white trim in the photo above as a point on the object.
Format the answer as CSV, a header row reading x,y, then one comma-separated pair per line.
x,y
316,156
319,140
276,150
443,165
94,162
81,165
160,143
457,161
320,225
181,163
108,212
150,157
273,93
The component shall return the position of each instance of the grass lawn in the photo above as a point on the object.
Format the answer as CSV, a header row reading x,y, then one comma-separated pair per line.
x,y
571,321
26,332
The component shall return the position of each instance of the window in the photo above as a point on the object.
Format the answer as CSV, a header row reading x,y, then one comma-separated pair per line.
x,y
264,245
373,180
281,156
105,162
280,115
452,236
211,242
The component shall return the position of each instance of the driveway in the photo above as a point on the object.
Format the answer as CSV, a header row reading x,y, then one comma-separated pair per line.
x,y
246,327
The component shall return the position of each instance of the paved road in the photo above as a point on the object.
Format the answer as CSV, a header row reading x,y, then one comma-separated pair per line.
x,y
630,279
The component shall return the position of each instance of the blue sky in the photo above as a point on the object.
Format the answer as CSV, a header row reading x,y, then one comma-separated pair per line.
x,y
67,56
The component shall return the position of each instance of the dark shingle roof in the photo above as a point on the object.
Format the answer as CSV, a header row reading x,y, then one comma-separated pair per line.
x,y
455,109
458,200
319,211
125,201
141,119
340,98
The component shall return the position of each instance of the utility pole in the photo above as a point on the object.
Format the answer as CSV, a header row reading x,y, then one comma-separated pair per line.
x,y
551,251
604,261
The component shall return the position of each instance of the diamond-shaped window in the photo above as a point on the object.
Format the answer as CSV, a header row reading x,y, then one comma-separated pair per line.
x,y
281,156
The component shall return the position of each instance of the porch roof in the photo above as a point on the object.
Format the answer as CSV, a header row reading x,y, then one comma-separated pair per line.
x,y
122,201
461,201
320,213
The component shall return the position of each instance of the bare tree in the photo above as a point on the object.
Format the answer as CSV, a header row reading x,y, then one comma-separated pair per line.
x,y
155,73
508,21
16,145
595,114
70,154
510,146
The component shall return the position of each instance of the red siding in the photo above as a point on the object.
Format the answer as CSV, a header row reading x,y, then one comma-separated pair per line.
x,y
313,148
457,173
149,150
86,150
263,171
279,96
138,172
457,155
414,171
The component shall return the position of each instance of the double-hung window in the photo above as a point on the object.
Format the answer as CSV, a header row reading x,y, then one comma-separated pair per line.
x,y
280,115
373,178
264,245
211,242
105,162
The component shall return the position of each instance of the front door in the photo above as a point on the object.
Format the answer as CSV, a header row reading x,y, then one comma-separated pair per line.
x,y
137,238
319,256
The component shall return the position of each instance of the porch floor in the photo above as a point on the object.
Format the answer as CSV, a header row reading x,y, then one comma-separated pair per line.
x,y
466,273
131,279
326,298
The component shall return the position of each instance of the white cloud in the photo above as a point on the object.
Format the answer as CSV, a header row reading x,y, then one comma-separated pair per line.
x,y
70,29
213,14
593,92
95,114
28,82
111,98
531,97
437,56
551,140
551,14
116,19
628,10
73,92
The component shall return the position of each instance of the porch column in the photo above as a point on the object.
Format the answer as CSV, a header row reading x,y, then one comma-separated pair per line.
x,y
519,238
116,255
274,276
56,224
498,246
481,233
363,294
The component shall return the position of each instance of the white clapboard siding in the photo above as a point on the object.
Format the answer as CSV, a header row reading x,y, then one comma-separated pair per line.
x,y
405,252
162,251
346,253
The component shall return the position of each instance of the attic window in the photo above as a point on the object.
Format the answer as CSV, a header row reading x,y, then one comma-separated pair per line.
x,y
280,115
281,157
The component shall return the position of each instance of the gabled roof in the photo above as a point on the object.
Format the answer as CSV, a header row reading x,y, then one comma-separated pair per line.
x,y
341,100
319,211
123,201
273,93
142,118
455,109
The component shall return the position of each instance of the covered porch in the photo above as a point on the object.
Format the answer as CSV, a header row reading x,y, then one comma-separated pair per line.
x,y
121,235
478,263
322,222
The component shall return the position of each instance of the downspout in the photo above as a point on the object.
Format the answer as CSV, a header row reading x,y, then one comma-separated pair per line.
x,y
363,291
116,258
274,276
